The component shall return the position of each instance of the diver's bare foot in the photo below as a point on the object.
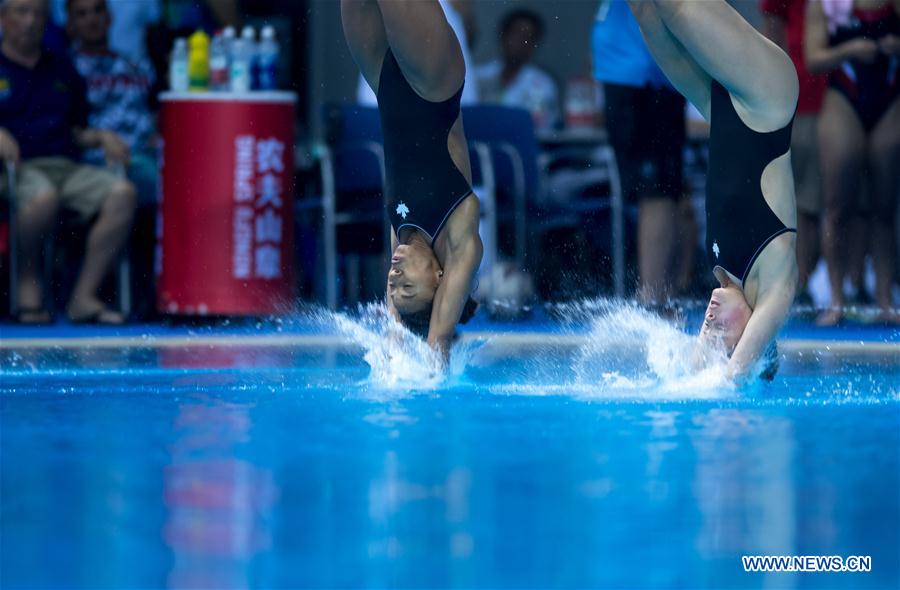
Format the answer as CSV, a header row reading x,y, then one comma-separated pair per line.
x,y
830,317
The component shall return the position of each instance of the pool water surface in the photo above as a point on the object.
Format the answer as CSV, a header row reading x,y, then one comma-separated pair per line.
x,y
540,463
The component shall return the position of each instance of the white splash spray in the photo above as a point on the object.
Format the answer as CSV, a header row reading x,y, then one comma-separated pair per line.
x,y
397,357
630,350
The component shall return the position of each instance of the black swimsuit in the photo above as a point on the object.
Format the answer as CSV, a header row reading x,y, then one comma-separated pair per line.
x,y
739,222
423,186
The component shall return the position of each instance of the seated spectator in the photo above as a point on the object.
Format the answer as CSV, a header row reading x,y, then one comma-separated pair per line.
x,y
43,127
516,81
117,92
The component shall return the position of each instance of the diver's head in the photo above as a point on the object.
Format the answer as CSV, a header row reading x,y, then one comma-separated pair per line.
x,y
726,317
413,278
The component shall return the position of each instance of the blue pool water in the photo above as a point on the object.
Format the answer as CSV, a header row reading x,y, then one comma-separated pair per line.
x,y
555,459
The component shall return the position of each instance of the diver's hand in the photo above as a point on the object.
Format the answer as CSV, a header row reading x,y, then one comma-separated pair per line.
x,y
442,347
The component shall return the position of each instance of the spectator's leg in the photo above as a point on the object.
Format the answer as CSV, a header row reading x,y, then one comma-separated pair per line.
x,y
858,246
656,242
686,242
38,206
661,130
808,240
884,153
842,145
106,238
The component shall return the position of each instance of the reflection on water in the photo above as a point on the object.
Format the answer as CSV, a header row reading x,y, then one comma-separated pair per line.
x,y
218,505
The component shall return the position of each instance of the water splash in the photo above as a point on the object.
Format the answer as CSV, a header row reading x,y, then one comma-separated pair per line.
x,y
397,357
630,350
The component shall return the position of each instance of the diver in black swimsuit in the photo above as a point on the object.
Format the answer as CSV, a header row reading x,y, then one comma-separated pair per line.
x,y
747,89
411,58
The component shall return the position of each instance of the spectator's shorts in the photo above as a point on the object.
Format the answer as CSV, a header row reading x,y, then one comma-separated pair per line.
x,y
805,161
81,188
646,129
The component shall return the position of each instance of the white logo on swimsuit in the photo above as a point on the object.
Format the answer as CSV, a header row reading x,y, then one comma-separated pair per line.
x,y
402,210
716,249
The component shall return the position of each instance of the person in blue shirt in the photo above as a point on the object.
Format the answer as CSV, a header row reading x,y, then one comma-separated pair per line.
x,y
645,122
43,128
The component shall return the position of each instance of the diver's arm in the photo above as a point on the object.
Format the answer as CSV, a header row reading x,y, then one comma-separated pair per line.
x,y
387,294
777,287
452,293
460,266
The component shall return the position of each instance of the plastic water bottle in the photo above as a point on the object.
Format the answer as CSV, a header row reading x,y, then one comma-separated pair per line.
x,y
240,76
248,36
178,67
218,63
268,59
228,36
198,62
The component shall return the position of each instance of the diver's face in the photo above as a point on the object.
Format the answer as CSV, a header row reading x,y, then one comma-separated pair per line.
x,y
726,317
412,279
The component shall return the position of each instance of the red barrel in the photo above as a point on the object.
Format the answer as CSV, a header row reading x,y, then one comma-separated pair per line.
x,y
225,241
